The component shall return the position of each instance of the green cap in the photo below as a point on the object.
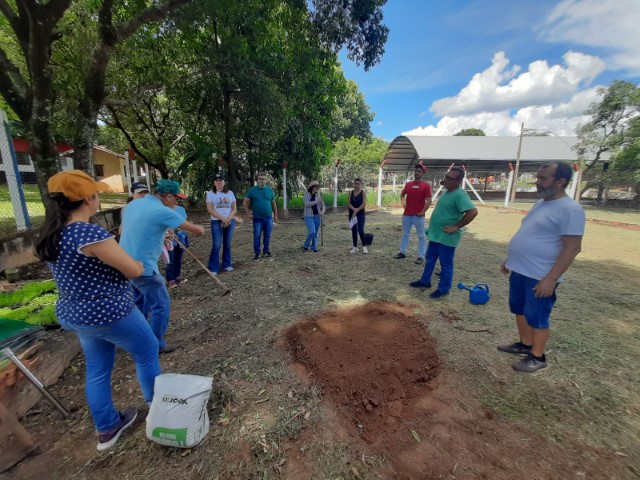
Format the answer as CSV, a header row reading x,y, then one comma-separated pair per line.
x,y
167,186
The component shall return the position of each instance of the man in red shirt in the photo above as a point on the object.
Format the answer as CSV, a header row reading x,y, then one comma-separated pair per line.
x,y
416,199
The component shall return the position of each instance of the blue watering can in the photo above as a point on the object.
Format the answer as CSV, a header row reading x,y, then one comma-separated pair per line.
x,y
478,294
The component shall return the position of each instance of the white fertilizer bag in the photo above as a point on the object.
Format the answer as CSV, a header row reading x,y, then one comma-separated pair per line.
x,y
178,415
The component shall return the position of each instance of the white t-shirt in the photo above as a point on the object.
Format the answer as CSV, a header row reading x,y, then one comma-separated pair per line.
x,y
222,202
535,247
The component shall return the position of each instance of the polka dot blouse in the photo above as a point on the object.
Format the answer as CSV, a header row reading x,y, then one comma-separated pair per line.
x,y
90,291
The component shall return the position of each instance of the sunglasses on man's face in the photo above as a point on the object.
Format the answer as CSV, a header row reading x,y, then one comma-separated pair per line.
x,y
449,177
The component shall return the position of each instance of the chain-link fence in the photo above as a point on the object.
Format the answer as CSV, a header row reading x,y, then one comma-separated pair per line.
x,y
19,197
606,194
21,206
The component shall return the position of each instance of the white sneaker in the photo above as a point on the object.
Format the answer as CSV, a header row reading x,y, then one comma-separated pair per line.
x,y
354,250
364,250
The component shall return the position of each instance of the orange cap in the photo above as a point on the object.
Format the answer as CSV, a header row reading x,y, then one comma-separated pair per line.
x,y
75,185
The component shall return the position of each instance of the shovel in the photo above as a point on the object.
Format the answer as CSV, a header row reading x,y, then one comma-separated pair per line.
x,y
204,267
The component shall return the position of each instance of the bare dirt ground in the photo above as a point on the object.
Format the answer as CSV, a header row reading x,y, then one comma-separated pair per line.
x,y
327,365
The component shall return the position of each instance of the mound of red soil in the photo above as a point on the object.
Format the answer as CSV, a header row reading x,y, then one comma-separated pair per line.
x,y
371,360
378,366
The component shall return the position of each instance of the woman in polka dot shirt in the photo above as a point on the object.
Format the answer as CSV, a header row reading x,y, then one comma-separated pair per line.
x,y
95,301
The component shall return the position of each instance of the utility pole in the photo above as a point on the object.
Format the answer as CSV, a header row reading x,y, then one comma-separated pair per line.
x,y
517,169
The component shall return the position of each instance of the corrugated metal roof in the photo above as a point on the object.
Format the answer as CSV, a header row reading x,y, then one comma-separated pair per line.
x,y
489,152
95,147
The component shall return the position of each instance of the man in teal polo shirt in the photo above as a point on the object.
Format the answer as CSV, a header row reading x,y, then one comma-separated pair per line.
x,y
260,204
143,231
453,211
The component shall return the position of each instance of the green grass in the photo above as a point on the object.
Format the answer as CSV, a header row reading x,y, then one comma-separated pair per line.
x,y
595,212
388,198
35,207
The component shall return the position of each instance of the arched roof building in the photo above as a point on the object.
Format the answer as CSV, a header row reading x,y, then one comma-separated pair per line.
x,y
478,153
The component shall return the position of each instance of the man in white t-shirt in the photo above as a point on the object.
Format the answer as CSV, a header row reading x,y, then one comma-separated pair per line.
x,y
544,247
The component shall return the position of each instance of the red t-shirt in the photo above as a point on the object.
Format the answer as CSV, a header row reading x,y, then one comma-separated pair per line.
x,y
417,192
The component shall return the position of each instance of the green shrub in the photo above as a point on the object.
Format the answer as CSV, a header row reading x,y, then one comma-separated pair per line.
x,y
26,294
388,198
34,315
35,305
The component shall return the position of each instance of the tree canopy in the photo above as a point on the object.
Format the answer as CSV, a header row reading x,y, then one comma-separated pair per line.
x,y
358,159
189,81
470,132
613,124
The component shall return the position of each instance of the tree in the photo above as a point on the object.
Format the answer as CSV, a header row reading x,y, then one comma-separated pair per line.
x,y
358,159
470,132
112,138
627,161
352,116
55,75
613,128
610,126
356,24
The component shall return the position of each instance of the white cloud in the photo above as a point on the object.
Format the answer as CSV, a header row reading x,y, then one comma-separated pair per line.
x,y
500,88
379,124
422,114
612,25
560,118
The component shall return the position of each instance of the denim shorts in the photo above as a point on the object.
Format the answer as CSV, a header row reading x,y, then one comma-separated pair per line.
x,y
522,301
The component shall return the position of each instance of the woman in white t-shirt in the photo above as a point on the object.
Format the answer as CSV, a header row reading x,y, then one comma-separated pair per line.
x,y
221,205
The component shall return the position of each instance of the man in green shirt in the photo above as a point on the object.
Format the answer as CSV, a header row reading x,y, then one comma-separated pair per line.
x,y
453,211
260,205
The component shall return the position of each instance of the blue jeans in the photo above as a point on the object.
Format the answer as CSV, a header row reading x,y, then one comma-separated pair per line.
x,y
409,221
445,253
262,225
313,227
174,267
152,297
99,342
220,236
358,229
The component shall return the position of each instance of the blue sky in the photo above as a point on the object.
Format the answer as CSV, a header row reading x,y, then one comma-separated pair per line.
x,y
493,64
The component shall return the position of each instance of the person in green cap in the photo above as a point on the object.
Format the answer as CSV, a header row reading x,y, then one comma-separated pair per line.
x,y
143,232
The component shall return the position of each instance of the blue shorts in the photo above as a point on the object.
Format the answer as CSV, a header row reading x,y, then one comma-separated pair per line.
x,y
522,301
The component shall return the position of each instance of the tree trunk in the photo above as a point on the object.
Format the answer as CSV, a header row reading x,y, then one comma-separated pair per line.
x,y
44,156
228,154
43,152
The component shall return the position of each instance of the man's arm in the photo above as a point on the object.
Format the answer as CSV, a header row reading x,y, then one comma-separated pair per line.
x,y
571,247
234,211
468,217
192,228
246,203
403,200
275,211
427,204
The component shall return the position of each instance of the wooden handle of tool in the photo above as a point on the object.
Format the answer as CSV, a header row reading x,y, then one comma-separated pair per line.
x,y
204,267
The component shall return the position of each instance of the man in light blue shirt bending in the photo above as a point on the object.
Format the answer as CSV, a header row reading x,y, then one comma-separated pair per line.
x,y
143,230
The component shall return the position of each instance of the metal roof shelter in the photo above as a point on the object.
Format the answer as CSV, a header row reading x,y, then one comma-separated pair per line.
x,y
477,153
